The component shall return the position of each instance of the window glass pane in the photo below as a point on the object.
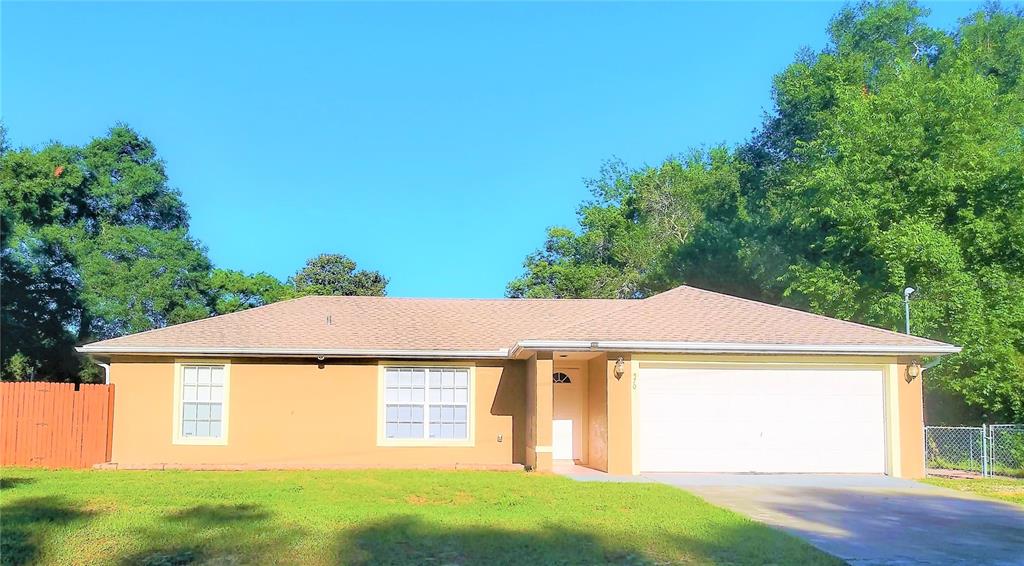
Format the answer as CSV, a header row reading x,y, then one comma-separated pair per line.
x,y
404,395
204,375
447,430
189,375
217,393
417,414
404,413
392,430
447,396
460,415
392,413
435,413
435,431
460,431
404,430
202,428
462,379
418,378
190,393
448,379
188,428
391,396
215,429
202,393
461,396
190,411
417,395
215,411
447,414
435,378
217,377
405,379
435,396
203,412
391,378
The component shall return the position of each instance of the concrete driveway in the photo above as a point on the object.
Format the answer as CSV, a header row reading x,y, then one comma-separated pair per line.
x,y
870,519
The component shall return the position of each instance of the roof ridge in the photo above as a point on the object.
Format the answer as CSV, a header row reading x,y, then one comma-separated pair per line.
x,y
792,309
456,299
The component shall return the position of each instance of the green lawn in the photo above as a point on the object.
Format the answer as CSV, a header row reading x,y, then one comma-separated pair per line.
x,y
369,517
1011,490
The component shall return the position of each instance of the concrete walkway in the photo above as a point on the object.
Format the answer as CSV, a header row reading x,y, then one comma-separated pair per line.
x,y
867,519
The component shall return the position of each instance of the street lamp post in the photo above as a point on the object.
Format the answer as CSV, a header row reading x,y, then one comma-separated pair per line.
x,y
906,306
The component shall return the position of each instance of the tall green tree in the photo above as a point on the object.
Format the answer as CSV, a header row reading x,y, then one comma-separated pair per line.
x,y
95,244
893,158
336,274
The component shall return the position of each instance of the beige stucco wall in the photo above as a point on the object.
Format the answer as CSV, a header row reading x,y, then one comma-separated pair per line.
x,y
597,414
292,413
911,416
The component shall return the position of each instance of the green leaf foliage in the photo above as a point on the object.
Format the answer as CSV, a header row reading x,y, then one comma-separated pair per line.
x,y
336,274
893,158
96,245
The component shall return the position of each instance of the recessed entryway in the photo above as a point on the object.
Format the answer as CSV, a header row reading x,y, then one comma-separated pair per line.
x,y
568,428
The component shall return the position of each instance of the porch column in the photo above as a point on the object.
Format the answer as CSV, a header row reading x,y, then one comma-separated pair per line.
x,y
620,414
539,411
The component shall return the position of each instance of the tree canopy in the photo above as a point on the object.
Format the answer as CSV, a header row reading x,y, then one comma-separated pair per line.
x,y
892,158
95,244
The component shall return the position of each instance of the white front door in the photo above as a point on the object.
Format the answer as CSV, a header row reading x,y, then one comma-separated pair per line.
x,y
561,440
567,415
761,418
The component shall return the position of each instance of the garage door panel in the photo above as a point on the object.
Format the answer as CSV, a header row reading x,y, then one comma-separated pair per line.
x,y
760,419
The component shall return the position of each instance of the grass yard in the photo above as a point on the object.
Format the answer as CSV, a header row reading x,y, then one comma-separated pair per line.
x,y
1006,489
369,517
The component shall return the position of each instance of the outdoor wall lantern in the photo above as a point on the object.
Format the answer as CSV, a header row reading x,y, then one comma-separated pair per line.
x,y
620,368
913,371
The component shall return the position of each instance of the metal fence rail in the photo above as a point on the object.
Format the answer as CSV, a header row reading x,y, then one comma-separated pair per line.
x,y
986,450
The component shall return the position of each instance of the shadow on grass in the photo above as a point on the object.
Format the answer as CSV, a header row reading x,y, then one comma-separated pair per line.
x,y
11,483
27,523
214,534
408,539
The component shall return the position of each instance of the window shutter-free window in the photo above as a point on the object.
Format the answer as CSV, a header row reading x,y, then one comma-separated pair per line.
x,y
430,403
202,401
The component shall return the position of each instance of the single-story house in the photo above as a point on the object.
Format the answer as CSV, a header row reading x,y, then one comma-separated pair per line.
x,y
687,380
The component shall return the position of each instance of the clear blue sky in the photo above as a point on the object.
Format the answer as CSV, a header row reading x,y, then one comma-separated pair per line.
x,y
434,143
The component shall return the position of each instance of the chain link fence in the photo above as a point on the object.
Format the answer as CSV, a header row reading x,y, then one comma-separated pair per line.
x,y
985,450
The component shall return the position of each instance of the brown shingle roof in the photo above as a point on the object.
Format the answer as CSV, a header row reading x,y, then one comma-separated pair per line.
x,y
473,326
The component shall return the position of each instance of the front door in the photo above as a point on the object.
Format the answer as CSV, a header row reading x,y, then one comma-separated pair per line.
x,y
567,413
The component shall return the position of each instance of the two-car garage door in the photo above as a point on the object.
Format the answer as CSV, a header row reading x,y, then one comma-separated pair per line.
x,y
749,418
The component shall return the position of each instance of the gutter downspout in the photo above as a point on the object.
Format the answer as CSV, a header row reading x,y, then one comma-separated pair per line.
x,y
106,371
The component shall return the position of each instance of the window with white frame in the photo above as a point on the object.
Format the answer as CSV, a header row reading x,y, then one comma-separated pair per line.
x,y
428,403
202,401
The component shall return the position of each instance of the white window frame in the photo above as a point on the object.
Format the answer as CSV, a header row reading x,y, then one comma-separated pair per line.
x,y
176,435
383,440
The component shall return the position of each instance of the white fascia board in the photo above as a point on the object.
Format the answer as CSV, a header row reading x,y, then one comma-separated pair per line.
x,y
731,347
294,352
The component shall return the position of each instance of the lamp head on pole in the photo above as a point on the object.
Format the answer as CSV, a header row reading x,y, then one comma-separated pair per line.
x,y
907,292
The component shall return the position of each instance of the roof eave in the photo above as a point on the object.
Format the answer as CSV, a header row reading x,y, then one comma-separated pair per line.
x,y
731,347
294,352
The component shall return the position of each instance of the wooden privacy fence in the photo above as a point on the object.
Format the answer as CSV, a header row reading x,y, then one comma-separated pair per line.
x,y
51,425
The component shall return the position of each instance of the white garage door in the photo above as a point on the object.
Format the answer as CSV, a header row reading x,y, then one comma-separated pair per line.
x,y
760,419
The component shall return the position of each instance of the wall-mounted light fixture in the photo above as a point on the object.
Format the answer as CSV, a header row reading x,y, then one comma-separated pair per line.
x,y
620,368
913,371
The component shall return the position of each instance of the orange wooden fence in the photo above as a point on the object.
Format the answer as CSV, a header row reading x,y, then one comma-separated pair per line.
x,y
50,425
